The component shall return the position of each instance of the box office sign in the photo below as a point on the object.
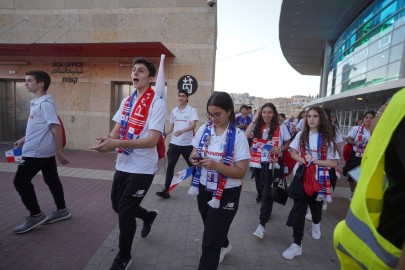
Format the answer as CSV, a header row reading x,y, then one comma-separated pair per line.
x,y
68,68
188,83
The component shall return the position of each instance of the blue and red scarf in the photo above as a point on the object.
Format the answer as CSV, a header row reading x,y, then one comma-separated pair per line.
x,y
260,151
322,175
226,159
362,142
133,124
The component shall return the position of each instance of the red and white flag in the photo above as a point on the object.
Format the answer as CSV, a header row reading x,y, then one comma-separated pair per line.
x,y
13,155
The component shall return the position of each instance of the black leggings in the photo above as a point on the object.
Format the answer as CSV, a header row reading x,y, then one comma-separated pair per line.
x,y
266,180
296,218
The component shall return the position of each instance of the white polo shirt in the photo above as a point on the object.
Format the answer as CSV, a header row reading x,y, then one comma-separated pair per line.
x,y
143,160
181,120
39,141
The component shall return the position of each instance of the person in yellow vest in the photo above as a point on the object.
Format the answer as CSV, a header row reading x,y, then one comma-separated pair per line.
x,y
372,235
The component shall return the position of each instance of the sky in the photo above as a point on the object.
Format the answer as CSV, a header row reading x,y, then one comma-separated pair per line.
x,y
249,58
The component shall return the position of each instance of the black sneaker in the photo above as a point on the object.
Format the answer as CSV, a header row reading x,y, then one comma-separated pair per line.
x,y
148,226
163,194
121,264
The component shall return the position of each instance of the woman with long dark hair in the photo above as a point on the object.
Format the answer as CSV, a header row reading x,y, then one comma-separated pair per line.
x,y
313,146
270,139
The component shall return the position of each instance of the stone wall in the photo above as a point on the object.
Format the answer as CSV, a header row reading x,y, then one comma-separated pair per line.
x,y
187,28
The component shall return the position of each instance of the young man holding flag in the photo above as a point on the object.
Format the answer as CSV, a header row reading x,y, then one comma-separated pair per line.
x,y
42,142
183,120
139,124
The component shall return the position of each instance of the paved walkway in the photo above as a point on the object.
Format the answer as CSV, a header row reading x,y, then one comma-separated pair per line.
x,y
89,240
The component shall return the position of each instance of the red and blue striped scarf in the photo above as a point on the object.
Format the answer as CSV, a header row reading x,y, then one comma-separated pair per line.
x,y
322,175
227,158
362,142
133,124
261,146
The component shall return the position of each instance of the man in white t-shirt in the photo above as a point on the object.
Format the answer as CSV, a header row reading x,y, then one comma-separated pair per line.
x,y
301,123
42,141
183,120
139,124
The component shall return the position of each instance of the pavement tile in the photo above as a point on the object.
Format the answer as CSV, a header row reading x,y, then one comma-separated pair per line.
x,y
89,239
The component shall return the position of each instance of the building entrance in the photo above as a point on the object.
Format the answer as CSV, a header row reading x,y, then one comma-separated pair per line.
x,y
14,110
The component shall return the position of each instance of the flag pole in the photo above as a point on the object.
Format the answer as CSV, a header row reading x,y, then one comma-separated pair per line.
x,y
160,90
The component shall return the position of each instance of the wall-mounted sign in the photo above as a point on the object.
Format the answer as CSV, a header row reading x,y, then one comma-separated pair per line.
x,y
70,80
67,67
188,83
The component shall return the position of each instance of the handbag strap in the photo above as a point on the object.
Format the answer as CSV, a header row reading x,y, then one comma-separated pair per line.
x,y
283,181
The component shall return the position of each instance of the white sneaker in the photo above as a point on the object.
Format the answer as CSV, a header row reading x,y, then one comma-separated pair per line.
x,y
259,232
316,231
324,206
308,216
224,251
328,198
292,251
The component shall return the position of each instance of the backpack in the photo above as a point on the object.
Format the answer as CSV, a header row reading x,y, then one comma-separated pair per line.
x,y
289,162
61,124
161,149
63,132
348,148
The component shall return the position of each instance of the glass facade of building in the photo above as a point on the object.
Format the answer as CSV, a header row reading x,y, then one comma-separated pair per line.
x,y
370,50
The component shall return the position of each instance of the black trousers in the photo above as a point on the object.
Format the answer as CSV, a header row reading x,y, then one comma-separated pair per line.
x,y
257,172
27,169
296,218
173,154
127,193
216,224
351,163
266,181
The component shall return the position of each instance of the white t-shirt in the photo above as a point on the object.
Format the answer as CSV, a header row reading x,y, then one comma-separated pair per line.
x,y
143,160
216,149
301,124
313,144
39,141
353,134
181,120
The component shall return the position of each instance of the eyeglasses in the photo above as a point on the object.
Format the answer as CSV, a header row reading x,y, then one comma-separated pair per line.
x,y
216,116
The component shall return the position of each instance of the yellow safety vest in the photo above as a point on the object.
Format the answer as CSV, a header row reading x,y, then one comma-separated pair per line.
x,y
356,239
